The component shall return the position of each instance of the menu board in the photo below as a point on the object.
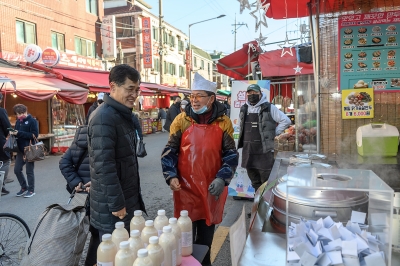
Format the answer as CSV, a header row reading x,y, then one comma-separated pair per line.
x,y
369,54
358,103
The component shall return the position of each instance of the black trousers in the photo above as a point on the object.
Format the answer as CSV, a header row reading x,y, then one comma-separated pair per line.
x,y
91,257
258,177
203,235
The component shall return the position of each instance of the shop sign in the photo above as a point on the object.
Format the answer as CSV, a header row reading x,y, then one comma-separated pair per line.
x,y
188,60
358,103
369,53
79,61
147,48
50,57
32,53
108,33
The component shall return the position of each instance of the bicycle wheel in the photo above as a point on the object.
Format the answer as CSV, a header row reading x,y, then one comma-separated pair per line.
x,y
14,234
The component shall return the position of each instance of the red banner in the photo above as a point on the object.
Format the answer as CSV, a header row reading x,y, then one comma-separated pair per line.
x,y
188,60
146,35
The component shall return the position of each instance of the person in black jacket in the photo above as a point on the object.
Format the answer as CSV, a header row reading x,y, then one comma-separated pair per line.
x,y
138,128
115,191
4,156
26,130
99,101
173,111
74,166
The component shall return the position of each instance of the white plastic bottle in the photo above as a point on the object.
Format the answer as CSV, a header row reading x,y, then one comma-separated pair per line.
x,y
168,242
143,258
160,221
124,255
106,251
119,234
135,242
185,224
137,222
156,252
176,230
148,231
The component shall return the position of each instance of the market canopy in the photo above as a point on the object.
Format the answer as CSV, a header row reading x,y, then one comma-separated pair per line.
x,y
223,92
237,64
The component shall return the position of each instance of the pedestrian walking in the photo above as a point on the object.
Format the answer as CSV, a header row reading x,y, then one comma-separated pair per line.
x,y
260,122
162,116
199,161
184,103
115,191
173,111
138,128
4,156
26,130
99,101
74,166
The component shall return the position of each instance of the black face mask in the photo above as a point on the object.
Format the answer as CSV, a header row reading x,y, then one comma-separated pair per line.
x,y
253,98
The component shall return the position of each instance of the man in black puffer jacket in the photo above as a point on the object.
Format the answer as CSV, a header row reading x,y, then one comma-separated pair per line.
x,y
115,186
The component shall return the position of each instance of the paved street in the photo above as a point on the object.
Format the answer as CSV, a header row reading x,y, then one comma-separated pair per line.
x,y
50,188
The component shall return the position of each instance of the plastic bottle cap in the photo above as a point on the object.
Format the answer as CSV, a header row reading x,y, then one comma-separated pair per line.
x,y
119,225
149,223
161,212
184,213
142,253
106,237
137,213
153,240
167,229
173,220
135,233
124,244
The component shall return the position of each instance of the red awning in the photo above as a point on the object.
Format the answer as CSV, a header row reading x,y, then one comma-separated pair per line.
x,y
236,65
96,81
161,88
273,65
38,87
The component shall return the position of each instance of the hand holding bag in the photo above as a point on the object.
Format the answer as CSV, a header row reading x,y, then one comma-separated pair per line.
x,y
36,152
11,144
141,152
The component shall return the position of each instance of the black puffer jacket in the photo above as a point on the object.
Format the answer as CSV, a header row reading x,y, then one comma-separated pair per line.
x,y
113,165
4,125
71,158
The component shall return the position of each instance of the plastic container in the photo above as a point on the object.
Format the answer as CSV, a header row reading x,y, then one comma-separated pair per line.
x,y
176,230
156,252
135,242
185,224
148,231
377,140
119,234
143,258
124,255
160,221
137,222
106,251
168,243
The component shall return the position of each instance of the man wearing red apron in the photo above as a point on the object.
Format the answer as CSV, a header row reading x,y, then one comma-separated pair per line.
x,y
199,161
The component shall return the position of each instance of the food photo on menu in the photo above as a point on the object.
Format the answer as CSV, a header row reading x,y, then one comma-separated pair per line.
x,y
395,82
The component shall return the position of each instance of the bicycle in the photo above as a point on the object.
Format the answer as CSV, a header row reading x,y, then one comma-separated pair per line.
x,y
14,235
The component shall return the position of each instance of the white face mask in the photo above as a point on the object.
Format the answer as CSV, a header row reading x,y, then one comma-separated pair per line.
x,y
203,109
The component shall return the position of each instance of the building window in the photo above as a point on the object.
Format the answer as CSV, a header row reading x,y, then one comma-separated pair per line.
x,y
155,33
156,64
26,32
172,69
58,41
181,71
85,47
124,27
91,6
165,37
202,64
165,67
181,45
171,41
195,61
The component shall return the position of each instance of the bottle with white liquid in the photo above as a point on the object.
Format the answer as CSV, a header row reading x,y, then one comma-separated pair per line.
x,y
106,251
137,222
156,252
143,258
160,221
135,242
176,230
185,224
124,255
168,242
148,231
119,234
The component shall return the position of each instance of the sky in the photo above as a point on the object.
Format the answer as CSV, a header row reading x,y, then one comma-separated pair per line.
x,y
216,35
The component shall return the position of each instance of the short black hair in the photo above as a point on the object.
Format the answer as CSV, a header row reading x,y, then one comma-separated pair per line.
x,y
120,73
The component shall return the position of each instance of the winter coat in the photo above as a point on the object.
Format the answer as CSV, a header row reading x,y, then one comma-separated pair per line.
x,y
90,111
173,111
162,114
4,125
26,130
114,171
72,157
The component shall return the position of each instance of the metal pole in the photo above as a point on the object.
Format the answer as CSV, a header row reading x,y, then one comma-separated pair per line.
x,y
161,45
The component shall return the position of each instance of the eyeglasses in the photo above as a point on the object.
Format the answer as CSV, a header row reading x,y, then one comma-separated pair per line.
x,y
197,96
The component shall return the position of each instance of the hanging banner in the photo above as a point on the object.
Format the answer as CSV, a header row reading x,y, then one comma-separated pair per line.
x,y
146,35
240,185
369,51
358,103
109,37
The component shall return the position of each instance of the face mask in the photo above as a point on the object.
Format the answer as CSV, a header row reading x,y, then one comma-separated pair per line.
x,y
253,98
202,110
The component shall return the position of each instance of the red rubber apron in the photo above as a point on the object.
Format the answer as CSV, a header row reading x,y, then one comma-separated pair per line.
x,y
200,158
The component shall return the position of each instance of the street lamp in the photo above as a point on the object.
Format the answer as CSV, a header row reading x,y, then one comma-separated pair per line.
x,y
190,48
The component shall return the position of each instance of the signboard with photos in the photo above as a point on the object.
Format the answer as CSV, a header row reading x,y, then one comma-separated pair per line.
x,y
358,103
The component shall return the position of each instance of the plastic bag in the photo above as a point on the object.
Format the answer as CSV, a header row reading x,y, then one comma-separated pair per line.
x,y
11,144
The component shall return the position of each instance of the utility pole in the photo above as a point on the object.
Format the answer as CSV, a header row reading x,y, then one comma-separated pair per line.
x,y
160,42
236,28
121,53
